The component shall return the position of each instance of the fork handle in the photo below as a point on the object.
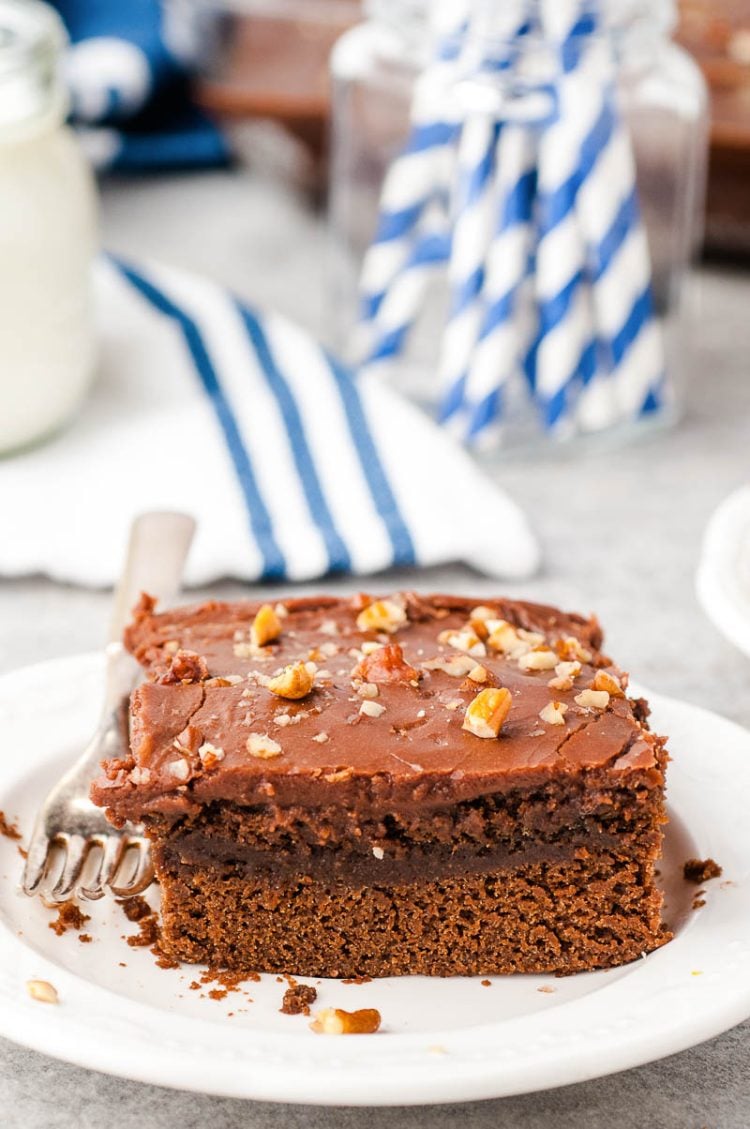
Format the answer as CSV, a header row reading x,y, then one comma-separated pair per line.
x,y
156,554
154,562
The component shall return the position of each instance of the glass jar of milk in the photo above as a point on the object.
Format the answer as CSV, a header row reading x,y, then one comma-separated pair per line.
x,y
47,234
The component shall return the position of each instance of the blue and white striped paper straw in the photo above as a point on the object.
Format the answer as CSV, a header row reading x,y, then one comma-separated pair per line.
x,y
505,324
412,236
554,197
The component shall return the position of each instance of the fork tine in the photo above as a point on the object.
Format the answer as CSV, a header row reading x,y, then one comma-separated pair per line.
x,y
143,875
36,864
112,848
75,848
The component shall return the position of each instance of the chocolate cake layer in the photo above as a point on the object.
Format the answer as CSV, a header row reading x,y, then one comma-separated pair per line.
x,y
546,917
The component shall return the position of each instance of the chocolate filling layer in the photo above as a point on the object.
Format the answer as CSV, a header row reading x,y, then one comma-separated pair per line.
x,y
376,867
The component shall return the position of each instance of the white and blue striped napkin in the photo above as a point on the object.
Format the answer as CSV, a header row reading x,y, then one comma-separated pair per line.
x,y
292,468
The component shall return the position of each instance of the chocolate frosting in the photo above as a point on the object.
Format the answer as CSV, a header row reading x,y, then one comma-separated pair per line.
x,y
415,753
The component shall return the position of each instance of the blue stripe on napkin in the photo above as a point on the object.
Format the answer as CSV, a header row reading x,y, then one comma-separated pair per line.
x,y
377,480
274,565
339,559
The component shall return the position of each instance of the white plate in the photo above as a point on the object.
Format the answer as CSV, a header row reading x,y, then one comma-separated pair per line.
x,y
442,1040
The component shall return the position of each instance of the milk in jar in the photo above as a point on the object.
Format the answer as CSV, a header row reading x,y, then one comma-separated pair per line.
x,y
47,234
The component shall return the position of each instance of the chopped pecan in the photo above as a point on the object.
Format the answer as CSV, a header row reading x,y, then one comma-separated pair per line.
x,y
42,991
465,640
382,615
184,667
336,1021
593,699
542,658
295,681
262,746
609,682
488,711
387,664
571,648
266,626
554,713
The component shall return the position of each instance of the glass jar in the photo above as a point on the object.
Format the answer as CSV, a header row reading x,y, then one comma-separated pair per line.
x,y
47,234
662,101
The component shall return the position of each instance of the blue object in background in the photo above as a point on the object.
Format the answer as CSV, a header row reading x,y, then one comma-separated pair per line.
x,y
130,100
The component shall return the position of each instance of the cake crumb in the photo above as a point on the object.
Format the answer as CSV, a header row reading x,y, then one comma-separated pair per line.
x,y
136,908
701,870
486,983
69,916
546,988
8,828
147,935
85,938
162,959
224,981
297,999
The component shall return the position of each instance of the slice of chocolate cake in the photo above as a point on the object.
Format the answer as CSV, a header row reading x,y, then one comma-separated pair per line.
x,y
393,786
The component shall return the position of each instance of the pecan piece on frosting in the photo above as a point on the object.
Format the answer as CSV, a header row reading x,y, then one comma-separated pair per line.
x,y
382,615
387,664
184,667
486,714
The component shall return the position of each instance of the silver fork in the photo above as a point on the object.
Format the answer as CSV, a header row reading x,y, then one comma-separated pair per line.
x,y
74,851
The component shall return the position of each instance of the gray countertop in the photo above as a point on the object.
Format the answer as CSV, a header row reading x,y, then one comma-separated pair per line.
x,y
620,533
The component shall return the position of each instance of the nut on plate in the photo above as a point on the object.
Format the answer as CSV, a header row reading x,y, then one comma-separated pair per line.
x,y
488,711
266,626
42,991
382,615
295,681
336,1021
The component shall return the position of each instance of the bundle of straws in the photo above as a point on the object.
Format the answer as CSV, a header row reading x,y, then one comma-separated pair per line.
x,y
518,182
